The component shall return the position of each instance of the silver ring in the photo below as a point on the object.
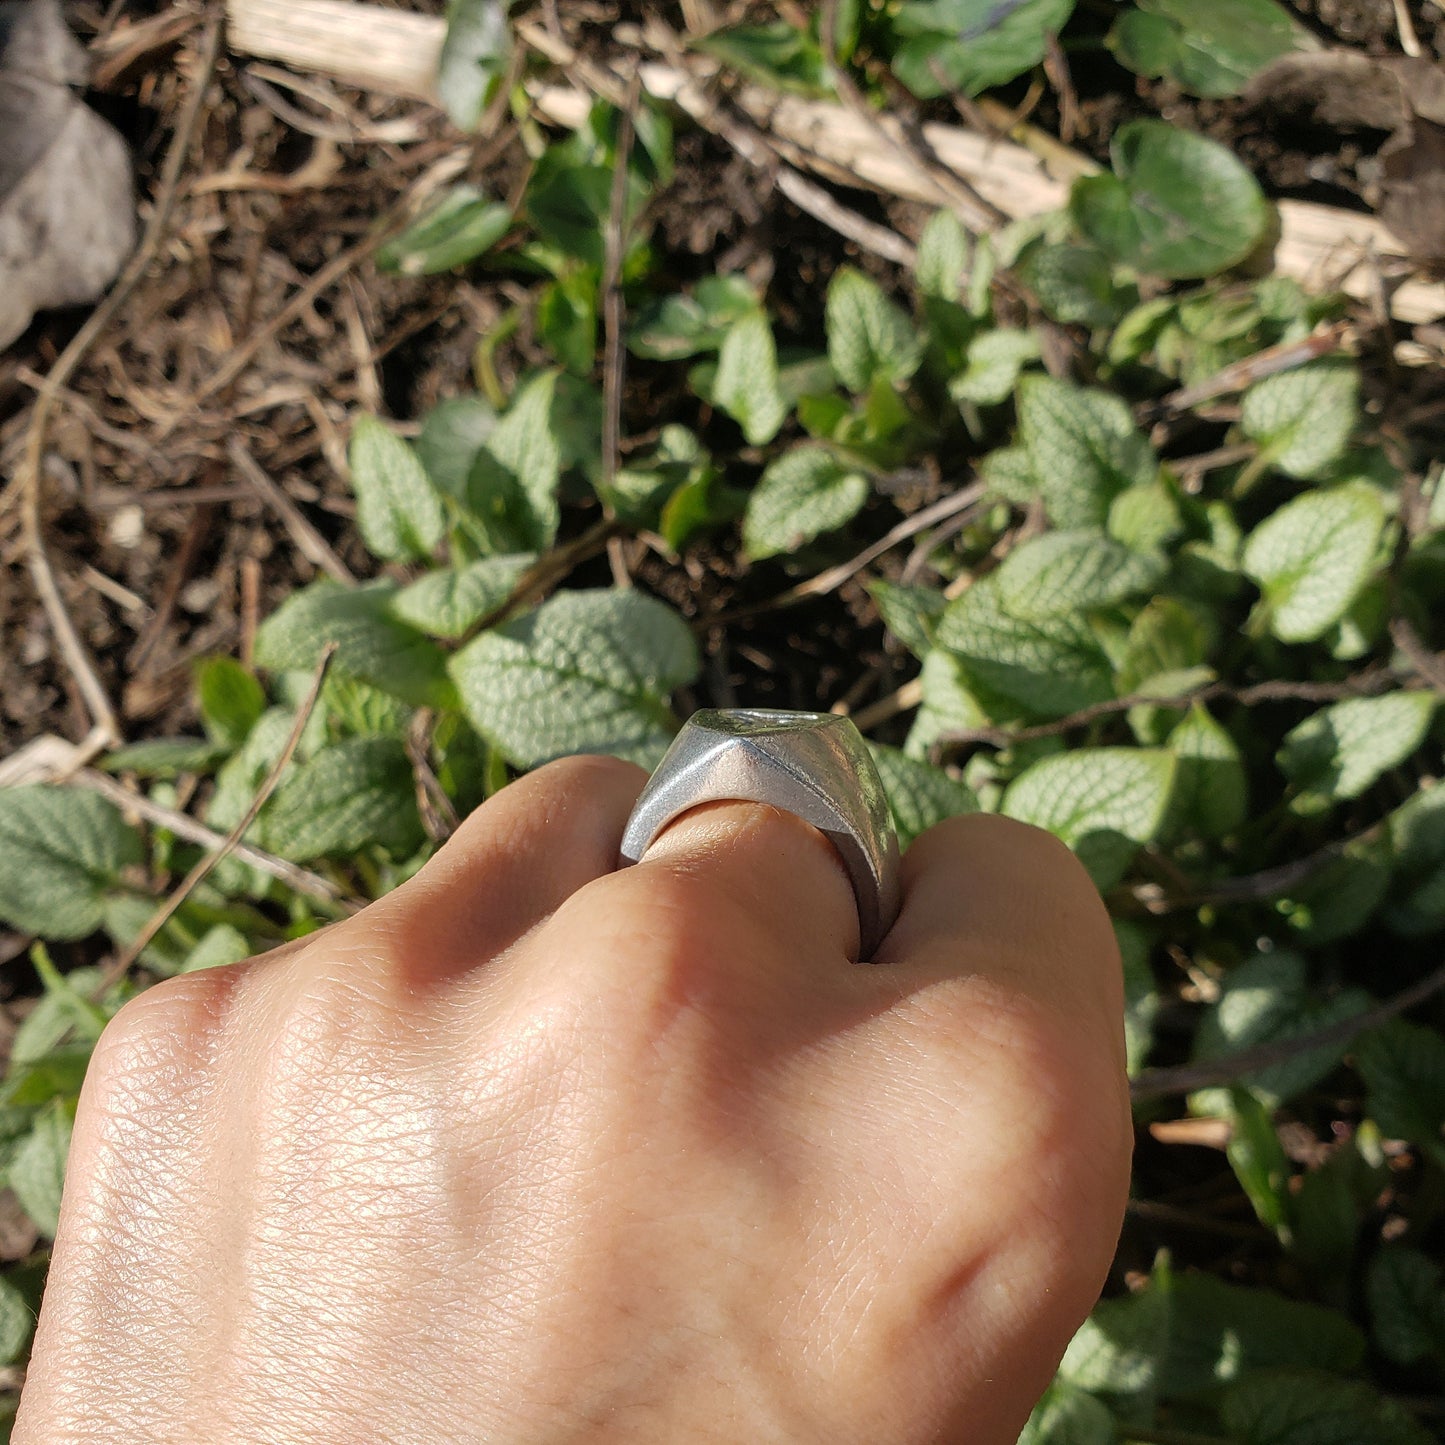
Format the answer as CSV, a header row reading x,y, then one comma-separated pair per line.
x,y
813,765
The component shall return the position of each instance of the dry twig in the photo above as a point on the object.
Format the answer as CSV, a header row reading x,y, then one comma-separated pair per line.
x,y
158,920
309,542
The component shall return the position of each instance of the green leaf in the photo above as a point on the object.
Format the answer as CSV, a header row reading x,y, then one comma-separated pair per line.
x,y
1083,447
398,509
1105,803
1178,205
1341,750
1303,419
1145,517
527,443
869,339
970,45
1046,668
372,644
1211,792
1259,1162
57,1013
587,671
778,54
746,385
1141,993
221,944
1266,1000
919,794
909,612
1403,1066
801,495
1068,1415
17,1323
1313,556
452,434
37,1167
450,601
1211,50
995,359
230,700
567,319
948,704
1294,1408
943,259
474,58
61,852
457,227
1075,284
164,757
357,793
1070,572
1407,1305
672,327
1167,643
1190,1337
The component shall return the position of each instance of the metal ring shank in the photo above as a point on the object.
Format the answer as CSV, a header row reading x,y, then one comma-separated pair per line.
x,y
811,769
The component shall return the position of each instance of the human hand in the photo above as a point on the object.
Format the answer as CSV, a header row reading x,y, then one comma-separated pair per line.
x,y
532,1150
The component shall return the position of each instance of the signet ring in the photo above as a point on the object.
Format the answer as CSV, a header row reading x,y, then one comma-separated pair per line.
x,y
813,765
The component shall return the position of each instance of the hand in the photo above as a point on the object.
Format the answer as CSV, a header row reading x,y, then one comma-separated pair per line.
x,y
532,1150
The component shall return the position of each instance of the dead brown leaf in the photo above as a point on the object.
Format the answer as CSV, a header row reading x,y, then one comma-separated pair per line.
x,y
67,207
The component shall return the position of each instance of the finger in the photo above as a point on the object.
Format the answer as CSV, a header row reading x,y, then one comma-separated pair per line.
x,y
510,865
781,872
988,897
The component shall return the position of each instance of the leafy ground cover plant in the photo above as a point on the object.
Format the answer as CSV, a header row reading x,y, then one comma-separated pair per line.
x,y
1173,596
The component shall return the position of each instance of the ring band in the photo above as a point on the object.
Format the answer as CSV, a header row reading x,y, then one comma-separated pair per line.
x,y
813,765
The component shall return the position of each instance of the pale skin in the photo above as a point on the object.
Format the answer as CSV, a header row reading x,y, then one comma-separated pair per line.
x,y
534,1150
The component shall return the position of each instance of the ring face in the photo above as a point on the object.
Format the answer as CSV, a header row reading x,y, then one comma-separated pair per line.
x,y
814,765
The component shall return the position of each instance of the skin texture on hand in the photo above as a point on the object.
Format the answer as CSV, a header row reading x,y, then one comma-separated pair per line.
x,y
533,1150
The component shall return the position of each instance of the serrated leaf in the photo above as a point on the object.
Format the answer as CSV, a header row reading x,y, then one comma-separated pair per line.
x,y
1403,1066
909,612
1407,1305
1211,50
869,339
61,852
1046,668
801,495
1064,573
37,1167
970,45
1341,750
1211,791
54,1016
672,327
1083,447
1178,205
450,601
230,700
1312,557
943,259
398,509
1303,419
452,433
1068,1415
474,58
586,672
1297,1408
164,757
17,1323
526,442
1105,803
995,359
220,945
746,385
355,794
1145,517
460,225
1009,475
1268,999
372,644
919,794
948,705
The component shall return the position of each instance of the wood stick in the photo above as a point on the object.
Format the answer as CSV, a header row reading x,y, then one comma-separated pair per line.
x,y
396,52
